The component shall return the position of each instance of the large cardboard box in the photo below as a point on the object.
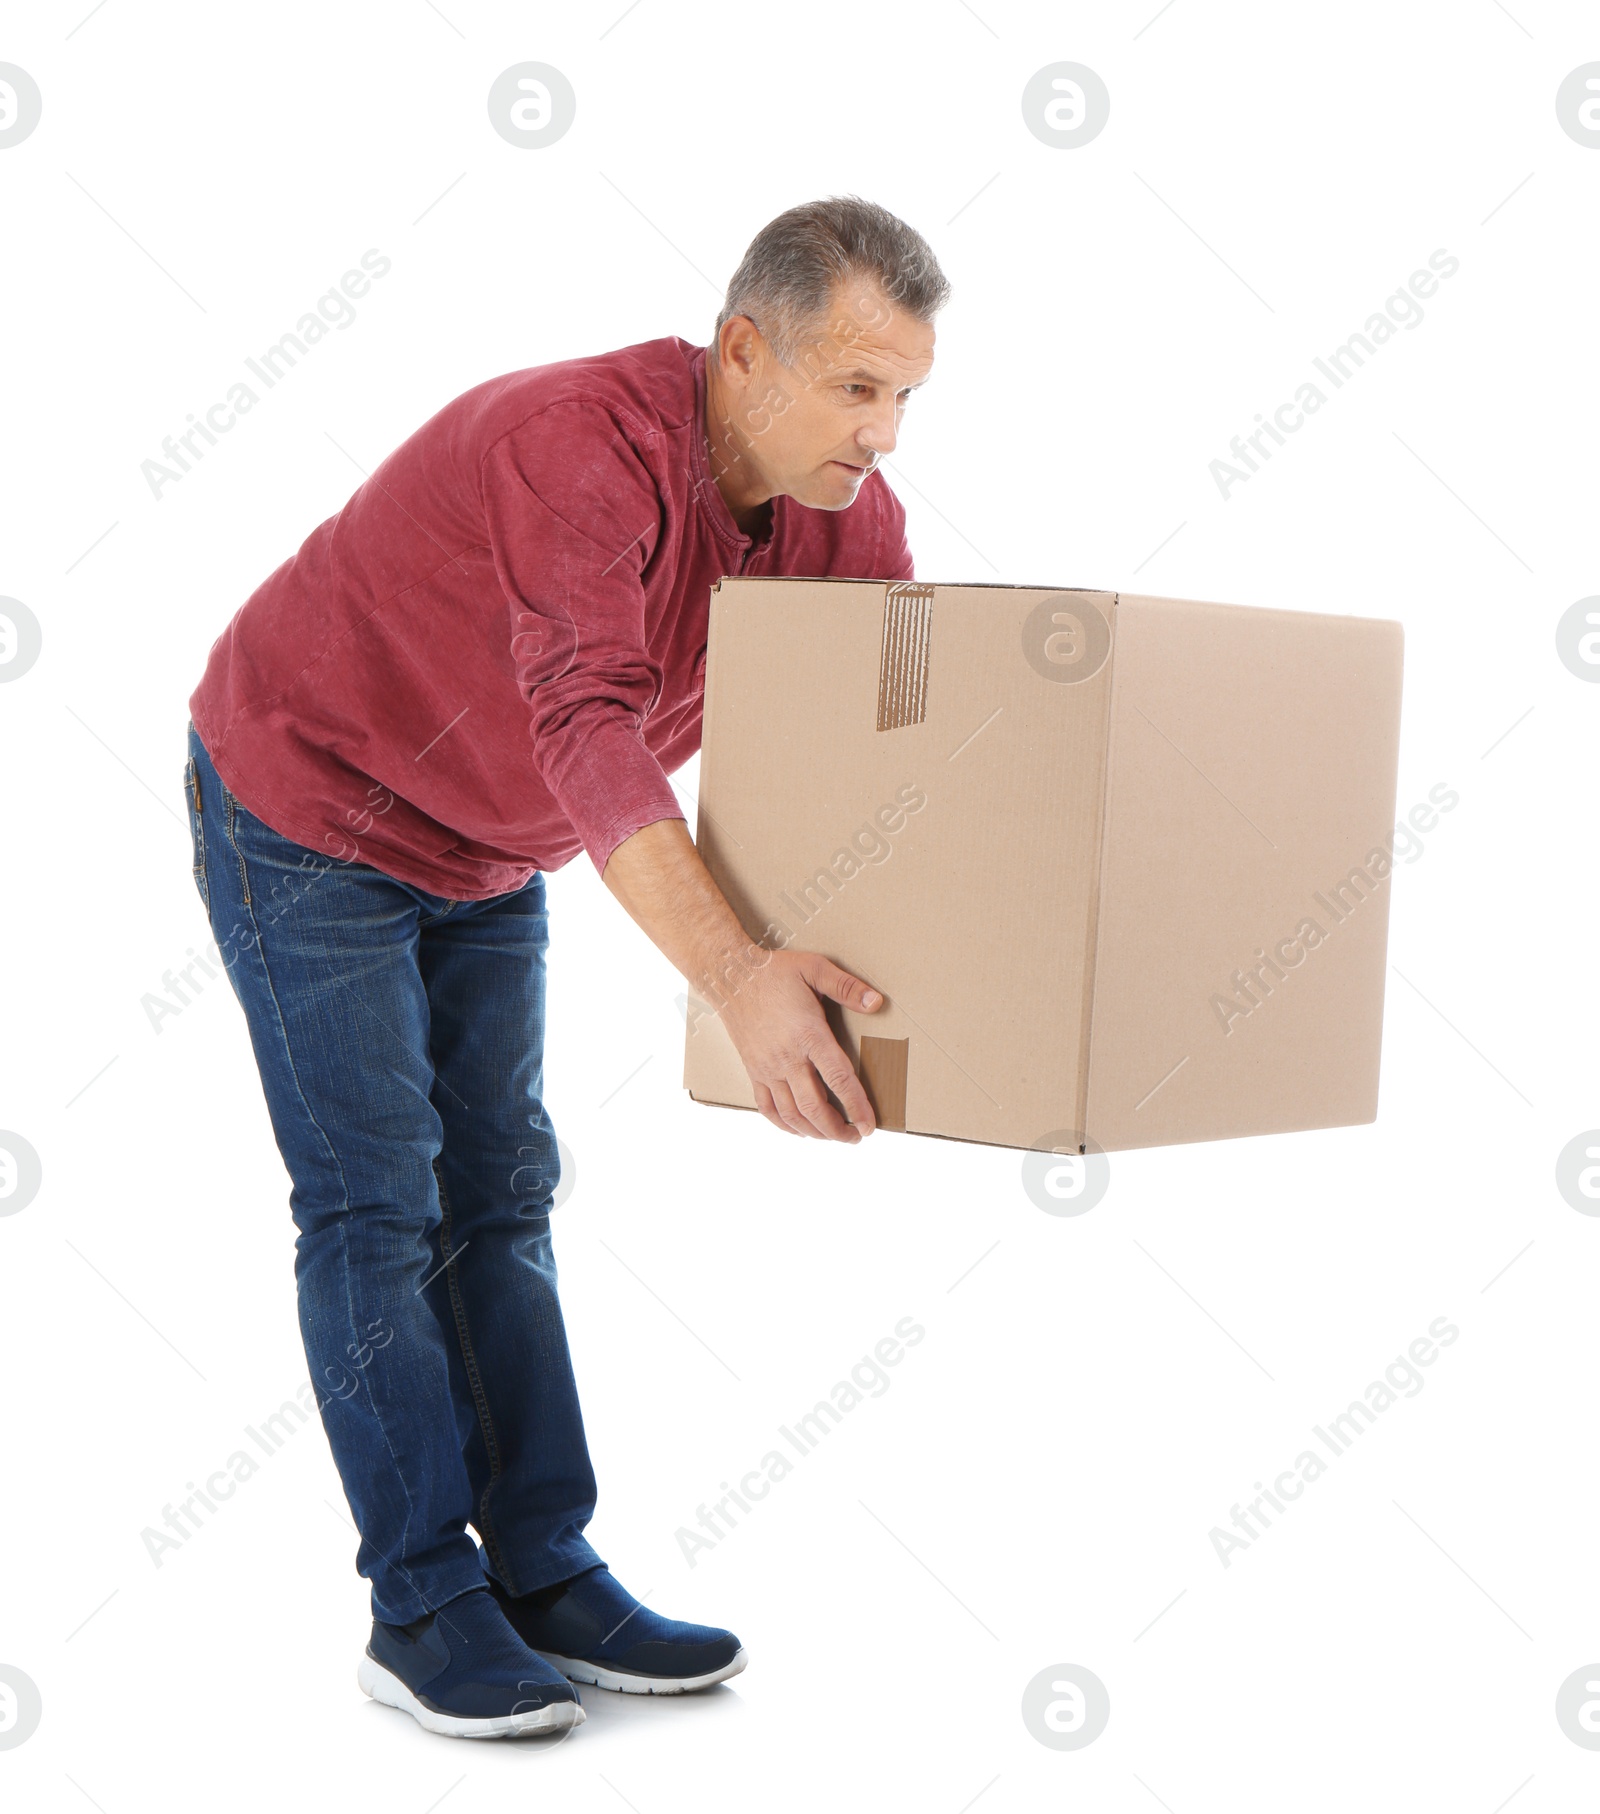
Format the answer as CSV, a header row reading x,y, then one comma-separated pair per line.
x,y
1120,865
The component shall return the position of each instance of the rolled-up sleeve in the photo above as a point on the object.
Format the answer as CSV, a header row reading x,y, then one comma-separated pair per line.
x,y
573,514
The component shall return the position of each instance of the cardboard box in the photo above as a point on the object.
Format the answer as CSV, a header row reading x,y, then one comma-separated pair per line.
x,y
1118,864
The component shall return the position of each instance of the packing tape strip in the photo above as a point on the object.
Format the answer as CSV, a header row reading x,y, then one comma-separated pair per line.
x,y
883,1076
903,662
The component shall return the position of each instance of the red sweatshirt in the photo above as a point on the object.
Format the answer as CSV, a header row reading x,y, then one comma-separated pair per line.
x,y
494,654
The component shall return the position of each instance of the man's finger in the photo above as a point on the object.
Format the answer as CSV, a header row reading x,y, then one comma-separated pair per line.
x,y
783,1098
837,1072
812,1101
769,1111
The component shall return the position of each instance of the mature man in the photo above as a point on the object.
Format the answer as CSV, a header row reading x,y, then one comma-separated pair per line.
x,y
488,661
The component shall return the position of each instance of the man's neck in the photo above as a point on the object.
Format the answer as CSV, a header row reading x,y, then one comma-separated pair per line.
x,y
728,464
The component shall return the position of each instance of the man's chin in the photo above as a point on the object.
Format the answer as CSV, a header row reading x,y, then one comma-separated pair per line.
x,y
836,486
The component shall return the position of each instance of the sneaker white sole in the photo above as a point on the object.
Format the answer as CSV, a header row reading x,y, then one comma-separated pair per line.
x,y
576,1670
386,1687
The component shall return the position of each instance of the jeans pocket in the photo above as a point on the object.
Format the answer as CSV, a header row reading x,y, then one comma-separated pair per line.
x,y
197,832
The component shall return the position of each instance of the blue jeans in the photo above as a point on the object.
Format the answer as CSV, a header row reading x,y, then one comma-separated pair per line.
x,y
400,1041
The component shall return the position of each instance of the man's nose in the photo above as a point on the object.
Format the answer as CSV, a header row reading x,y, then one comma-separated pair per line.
x,y
881,435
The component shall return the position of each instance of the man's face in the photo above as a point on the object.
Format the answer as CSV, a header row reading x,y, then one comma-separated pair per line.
x,y
813,430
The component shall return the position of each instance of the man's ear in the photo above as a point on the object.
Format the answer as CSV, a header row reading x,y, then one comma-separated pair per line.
x,y
744,351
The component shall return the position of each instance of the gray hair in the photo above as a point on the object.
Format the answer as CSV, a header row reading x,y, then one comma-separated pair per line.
x,y
791,269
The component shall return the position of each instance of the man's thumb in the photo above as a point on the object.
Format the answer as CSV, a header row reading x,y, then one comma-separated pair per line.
x,y
839,985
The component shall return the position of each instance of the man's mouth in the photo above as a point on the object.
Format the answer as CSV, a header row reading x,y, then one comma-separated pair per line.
x,y
850,467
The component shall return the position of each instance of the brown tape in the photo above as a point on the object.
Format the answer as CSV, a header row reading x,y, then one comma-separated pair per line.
x,y
903,660
883,1076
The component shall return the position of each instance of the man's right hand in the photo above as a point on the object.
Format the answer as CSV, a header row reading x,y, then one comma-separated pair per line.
x,y
768,1000
775,1020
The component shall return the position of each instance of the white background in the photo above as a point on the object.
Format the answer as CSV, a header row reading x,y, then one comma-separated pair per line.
x,y
1093,1396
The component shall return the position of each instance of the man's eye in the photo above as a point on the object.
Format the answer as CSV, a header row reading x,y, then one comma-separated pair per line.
x,y
857,387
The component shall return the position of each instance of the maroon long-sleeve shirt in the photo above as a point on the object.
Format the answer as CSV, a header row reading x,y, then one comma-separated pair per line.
x,y
492,657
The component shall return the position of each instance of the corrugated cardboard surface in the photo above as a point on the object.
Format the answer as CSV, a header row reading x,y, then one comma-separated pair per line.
x,y
1091,864
1253,760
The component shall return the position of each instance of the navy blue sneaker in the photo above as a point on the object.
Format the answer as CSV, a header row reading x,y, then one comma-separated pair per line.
x,y
464,1672
593,1630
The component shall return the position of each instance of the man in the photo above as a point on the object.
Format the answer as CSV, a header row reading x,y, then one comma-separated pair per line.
x,y
485,663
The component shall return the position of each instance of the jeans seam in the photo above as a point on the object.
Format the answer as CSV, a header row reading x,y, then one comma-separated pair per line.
x,y
480,1398
229,804
191,787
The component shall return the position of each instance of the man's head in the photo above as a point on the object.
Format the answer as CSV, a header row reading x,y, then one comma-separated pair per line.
x,y
826,330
